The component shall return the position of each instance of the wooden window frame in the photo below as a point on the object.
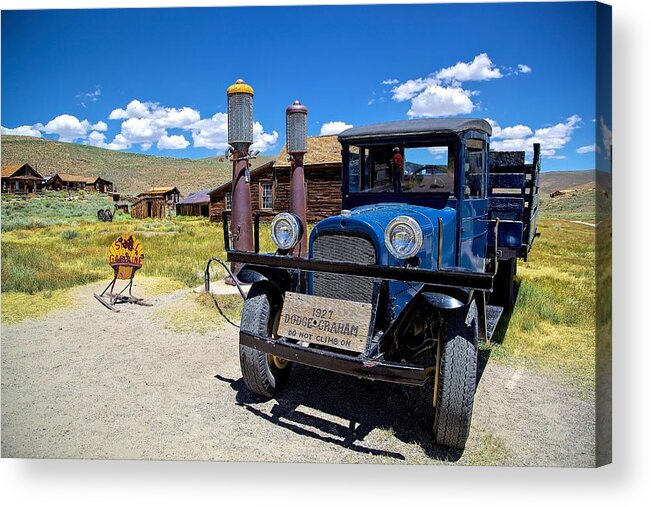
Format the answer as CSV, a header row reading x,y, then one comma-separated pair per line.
x,y
261,185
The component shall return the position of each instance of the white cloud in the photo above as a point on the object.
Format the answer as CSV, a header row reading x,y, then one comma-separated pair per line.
x,y
91,96
515,132
67,127
412,87
134,109
480,69
99,140
438,100
261,140
523,69
177,142
334,127
24,130
141,130
390,82
119,143
551,139
211,133
586,149
166,117
96,139
441,93
147,124
100,125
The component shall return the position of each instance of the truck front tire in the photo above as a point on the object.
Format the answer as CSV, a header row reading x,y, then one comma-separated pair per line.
x,y
263,373
457,380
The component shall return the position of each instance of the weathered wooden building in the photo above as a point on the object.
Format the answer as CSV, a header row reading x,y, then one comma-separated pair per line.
x,y
157,202
64,181
195,204
270,183
20,179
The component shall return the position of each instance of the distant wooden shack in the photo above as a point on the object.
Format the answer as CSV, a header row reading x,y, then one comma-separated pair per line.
x,y
195,204
270,183
556,193
157,202
21,179
65,181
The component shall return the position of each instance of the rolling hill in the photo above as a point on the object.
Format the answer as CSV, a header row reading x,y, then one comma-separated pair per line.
x,y
562,180
130,172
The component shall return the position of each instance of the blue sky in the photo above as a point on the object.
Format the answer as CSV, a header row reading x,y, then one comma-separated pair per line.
x,y
154,80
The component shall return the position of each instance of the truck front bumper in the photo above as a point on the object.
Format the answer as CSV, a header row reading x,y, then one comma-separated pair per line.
x,y
442,277
358,366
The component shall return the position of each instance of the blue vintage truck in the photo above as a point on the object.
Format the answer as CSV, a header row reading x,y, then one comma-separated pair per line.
x,y
404,282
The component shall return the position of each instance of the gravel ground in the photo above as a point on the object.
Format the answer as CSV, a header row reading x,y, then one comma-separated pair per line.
x,y
89,383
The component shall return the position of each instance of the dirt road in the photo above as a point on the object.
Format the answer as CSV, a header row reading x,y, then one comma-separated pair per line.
x,y
88,383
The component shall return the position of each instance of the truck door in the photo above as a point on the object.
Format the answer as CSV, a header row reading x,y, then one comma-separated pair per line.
x,y
473,223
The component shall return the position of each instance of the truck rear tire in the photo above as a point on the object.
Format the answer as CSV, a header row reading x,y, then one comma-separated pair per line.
x,y
505,283
457,380
263,373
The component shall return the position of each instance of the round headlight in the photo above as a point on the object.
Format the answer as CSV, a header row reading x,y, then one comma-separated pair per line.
x,y
403,237
286,230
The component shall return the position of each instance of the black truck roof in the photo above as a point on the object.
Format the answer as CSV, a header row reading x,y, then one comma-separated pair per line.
x,y
418,127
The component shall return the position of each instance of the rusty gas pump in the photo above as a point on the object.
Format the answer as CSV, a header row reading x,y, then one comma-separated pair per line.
x,y
296,123
240,138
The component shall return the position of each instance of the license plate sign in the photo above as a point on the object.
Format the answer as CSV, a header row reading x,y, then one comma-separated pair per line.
x,y
325,321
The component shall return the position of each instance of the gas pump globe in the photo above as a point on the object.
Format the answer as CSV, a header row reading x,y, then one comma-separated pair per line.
x,y
296,120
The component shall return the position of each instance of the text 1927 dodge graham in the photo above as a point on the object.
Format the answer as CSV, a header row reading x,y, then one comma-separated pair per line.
x,y
402,284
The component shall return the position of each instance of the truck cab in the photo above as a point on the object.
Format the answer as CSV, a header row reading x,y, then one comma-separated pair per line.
x,y
402,284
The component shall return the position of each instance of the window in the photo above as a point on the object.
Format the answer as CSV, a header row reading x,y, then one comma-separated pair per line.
x,y
267,200
228,201
474,171
390,168
429,169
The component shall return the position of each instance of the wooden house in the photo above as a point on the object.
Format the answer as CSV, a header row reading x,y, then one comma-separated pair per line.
x,y
103,186
21,179
157,202
270,183
64,181
195,204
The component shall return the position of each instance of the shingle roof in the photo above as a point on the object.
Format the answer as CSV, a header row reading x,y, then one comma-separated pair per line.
x,y
201,197
320,150
159,190
70,178
9,170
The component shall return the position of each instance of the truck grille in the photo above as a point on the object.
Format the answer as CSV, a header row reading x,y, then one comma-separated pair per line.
x,y
341,248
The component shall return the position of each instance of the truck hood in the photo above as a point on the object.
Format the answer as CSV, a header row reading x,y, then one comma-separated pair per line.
x,y
372,221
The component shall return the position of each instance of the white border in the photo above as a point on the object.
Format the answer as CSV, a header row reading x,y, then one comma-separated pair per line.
x,y
76,482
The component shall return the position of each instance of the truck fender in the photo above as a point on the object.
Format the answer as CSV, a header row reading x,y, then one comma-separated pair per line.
x,y
280,278
447,298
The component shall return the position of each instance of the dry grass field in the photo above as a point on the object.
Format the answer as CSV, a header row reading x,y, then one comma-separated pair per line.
x,y
172,369
552,325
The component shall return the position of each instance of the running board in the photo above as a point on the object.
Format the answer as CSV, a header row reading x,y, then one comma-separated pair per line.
x,y
493,314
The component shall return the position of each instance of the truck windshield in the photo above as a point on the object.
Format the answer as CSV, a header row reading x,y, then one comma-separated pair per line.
x,y
422,169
